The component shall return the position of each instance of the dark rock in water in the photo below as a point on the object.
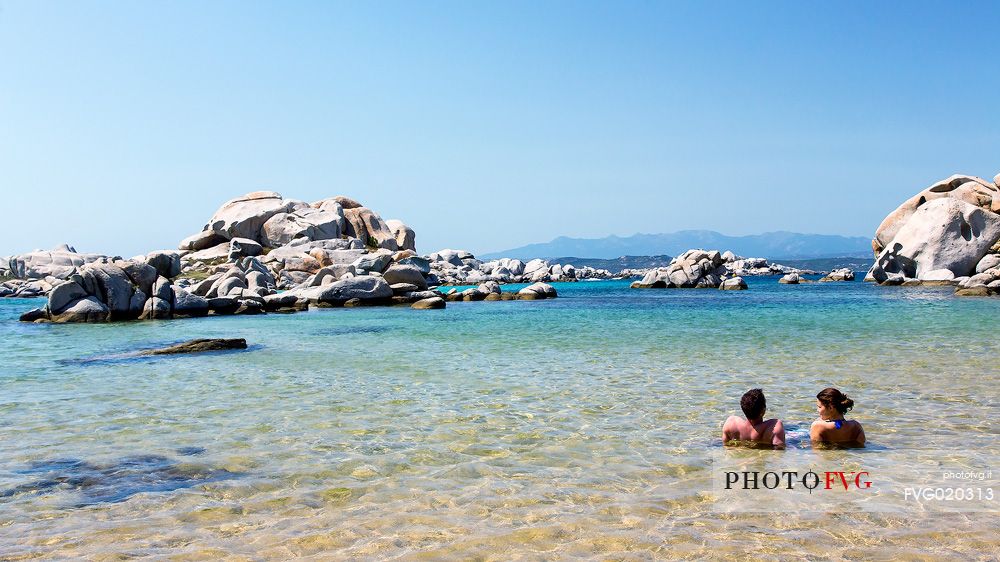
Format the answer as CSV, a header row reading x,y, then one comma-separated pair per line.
x,y
33,315
91,483
199,346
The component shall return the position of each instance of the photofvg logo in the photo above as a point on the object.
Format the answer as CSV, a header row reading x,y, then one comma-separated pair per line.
x,y
789,479
746,480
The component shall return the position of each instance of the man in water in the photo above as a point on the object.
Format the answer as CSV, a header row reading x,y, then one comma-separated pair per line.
x,y
754,428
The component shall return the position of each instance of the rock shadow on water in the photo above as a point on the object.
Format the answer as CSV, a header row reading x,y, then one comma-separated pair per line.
x,y
116,482
148,354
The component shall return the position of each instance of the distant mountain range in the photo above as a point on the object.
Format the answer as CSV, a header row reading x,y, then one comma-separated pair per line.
x,y
771,245
615,265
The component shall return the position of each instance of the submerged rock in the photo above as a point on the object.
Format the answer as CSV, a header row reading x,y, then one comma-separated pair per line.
x,y
977,291
199,346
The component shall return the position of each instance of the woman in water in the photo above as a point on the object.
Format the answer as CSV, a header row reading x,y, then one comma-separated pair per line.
x,y
831,427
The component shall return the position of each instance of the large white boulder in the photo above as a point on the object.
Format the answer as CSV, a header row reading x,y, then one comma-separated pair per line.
x,y
405,274
244,216
970,189
538,291
944,233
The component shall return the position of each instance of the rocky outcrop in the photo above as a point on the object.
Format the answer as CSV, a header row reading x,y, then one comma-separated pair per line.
x,y
692,269
334,252
130,290
951,226
941,234
458,267
27,289
843,274
790,279
59,262
969,189
753,267
723,265
985,281
294,239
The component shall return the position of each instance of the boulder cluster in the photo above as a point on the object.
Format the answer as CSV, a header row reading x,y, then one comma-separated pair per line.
x,y
795,278
258,253
35,273
713,269
698,269
948,234
458,267
984,281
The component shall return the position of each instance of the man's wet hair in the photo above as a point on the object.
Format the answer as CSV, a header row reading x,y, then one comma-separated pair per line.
x,y
753,404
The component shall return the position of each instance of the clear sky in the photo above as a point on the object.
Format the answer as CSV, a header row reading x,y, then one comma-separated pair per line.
x,y
486,126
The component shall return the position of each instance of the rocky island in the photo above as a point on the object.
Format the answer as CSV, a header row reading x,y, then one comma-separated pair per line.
x,y
258,253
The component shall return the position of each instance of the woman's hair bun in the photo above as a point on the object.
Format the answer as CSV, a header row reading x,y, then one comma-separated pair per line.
x,y
846,403
835,398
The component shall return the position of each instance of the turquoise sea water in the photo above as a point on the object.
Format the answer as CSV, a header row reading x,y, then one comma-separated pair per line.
x,y
583,426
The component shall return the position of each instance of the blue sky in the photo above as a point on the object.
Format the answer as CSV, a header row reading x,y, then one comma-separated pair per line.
x,y
486,126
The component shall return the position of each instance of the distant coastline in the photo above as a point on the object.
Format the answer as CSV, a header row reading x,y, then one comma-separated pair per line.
x,y
779,245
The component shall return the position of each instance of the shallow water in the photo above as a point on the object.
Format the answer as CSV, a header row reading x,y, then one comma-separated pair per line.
x,y
585,426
